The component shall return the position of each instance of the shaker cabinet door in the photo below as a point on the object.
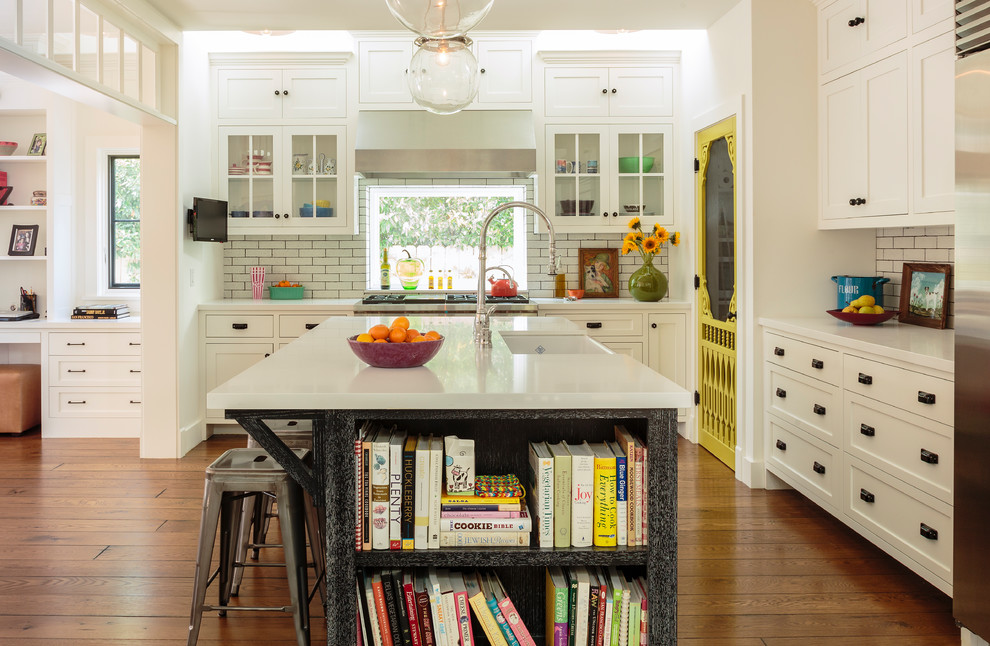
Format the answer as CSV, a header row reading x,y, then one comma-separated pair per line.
x,y
249,93
506,71
885,94
314,93
933,101
577,92
843,164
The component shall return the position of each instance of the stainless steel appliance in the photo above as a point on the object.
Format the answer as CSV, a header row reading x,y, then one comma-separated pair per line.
x,y
971,556
442,304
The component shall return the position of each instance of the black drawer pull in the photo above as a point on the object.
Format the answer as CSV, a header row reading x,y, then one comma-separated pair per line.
x,y
75,371
926,398
866,496
134,402
310,326
83,343
268,354
594,325
75,402
868,431
781,393
929,532
778,351
865,379
239,326
132,343
929,457
817,364
782,445
818,467
132,370
818,409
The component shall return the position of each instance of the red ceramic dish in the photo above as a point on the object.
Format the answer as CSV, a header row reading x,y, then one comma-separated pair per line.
x,y
395,355
7,147
863,319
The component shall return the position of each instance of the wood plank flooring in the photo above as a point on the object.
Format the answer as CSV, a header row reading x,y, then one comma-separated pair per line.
x,y
99,548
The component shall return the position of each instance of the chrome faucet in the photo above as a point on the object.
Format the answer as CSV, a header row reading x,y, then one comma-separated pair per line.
x,y
482,316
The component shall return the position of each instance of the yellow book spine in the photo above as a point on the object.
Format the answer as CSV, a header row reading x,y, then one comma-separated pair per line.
x,y
487,620
605,508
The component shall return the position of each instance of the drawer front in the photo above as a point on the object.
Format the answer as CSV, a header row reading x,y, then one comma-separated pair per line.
x,y
64,402
597,325
632,349
911,448
291,326
251,326
811,465
89,343
94,371
810,404
916,524
811,360
914,392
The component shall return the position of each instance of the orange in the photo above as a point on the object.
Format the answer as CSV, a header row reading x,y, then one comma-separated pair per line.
x,y
397,335
432,335
380,341
411,334
378,331
365,338
402,322
419,339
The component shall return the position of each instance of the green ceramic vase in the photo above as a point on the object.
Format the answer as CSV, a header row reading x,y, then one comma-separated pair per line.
x,y
648,284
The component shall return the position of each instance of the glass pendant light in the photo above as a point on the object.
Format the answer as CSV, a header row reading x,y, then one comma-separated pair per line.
x,y
439,18
443,74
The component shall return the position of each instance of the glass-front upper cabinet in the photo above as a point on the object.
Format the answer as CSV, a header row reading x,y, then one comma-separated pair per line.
x,y
643,161
577,184
284,179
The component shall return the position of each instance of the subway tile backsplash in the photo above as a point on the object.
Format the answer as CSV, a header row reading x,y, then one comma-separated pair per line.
x,y
334,266
897,245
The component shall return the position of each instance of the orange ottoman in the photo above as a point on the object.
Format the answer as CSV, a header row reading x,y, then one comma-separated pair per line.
x,y
20,397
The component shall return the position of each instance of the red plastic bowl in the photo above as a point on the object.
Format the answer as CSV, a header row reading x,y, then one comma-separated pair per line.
x,y
7,147
395,355
860,319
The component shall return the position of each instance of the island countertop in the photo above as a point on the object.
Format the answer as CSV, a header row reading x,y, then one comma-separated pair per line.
x,y
319,371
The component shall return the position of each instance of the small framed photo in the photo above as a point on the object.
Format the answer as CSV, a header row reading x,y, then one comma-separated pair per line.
x,y
23,238
925,294
38,143
599,272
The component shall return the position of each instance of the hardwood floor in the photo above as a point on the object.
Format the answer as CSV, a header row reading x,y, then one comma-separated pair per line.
x,y
99,548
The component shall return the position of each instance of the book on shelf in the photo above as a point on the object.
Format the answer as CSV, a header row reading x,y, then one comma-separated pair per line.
x,y
452,628
484,513
421,508
583,606
407,520
634,495
484,539
391,608
384,629
571,575
379,489
358,490
618,592
646,499
435,488
362,633
644,615
366,605
486,619
369,434
561,494
621,494
99,317
582,487
556,597
405,628
436,607
396,445
593,608
493,503
472,523
604,505
423,611
102,310
541,486
463,609
412,614
512,618
503,625
606,630
498,506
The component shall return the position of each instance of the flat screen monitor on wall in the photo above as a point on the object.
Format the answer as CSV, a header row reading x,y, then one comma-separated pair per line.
x,y
208,219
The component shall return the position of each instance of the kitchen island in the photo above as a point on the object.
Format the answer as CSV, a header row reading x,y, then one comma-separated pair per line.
x,y
520,389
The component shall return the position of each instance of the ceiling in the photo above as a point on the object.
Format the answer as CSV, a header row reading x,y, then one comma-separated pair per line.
x,y
506,15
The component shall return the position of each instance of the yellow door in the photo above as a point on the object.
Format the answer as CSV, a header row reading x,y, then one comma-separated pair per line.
x,y
716,284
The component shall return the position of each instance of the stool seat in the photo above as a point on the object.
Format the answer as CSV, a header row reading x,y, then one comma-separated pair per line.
x,y
20,397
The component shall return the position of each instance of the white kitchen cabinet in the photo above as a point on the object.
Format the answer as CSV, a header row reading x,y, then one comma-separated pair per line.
x,y
608,91
506,71
852,29
864,144
933,103
223,360
928,13
279,179
667,332
265,93
598,181
382,69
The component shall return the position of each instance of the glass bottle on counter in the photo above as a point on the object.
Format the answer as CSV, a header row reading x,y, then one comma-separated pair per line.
x,y
431,284
560,286
386,271
450,279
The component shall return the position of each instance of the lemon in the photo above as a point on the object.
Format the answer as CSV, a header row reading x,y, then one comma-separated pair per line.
x,y
849,309
868,300
867,309
877,309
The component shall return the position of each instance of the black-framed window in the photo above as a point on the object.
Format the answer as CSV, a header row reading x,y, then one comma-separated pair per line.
x,y
124,222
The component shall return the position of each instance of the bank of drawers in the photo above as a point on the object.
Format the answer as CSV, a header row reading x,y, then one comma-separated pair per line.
x,y
816,465
914,392
811,360
811,405
94,374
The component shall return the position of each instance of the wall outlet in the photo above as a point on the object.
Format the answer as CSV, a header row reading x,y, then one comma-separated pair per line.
x,y
192,277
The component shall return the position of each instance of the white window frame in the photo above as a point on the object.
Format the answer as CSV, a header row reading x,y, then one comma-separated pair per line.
x,y
97,255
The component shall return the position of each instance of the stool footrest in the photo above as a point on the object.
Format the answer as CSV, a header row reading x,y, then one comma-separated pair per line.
x,y
250,608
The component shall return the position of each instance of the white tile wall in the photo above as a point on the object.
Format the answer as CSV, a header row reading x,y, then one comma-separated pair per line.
x,y
335,266
897,245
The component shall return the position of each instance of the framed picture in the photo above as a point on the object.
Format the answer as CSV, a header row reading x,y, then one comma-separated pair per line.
x,y
23,238
924,294
599,272
38,144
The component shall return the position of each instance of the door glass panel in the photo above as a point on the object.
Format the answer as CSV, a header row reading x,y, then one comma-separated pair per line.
x,y
326,155
653,147
326,191
589,201
630,200
589,146
262,197
35,24
64,32
89,44
719,228
238,197
111,55
303,151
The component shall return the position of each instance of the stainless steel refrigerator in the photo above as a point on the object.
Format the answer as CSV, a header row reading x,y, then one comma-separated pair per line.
x,y
971,546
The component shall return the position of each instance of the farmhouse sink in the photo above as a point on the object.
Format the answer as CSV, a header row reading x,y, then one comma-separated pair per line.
x,y
529,343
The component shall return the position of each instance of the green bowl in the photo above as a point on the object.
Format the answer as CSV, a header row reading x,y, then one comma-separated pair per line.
x,y
286,293
631,164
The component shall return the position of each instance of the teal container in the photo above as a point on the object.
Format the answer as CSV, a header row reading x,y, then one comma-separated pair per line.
x,y
286,293
852,287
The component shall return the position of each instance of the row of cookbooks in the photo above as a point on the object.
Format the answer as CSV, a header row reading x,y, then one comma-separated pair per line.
x,y
585,606
592,493
420,492
101,311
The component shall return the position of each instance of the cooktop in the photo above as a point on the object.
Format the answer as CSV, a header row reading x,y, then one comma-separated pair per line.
x,y
429,299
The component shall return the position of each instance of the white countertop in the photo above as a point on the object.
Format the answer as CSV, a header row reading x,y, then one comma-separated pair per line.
x,y
560,305
87,325
912,343
267,304
319,371
545,304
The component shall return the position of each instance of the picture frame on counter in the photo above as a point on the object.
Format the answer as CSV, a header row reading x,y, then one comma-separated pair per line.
x,y
23,239
598,271
925,294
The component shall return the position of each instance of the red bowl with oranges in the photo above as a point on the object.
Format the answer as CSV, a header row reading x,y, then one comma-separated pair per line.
x,y
395,355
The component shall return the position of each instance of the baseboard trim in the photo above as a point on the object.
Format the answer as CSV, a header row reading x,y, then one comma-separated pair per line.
x,y
750,472
190,436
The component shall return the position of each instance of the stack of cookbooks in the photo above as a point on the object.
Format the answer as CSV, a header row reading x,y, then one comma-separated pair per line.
x,y
112,311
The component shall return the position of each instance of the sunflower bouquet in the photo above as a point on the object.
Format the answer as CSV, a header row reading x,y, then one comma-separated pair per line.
x,y
648,245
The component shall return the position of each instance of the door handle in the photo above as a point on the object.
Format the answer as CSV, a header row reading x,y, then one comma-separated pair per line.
x,y
778,351
868,431
865,379
819,468
929,532
594,325
926,398
76,402
817,364
781,393
132,343
135,402
239,326
310,326
929,457
866,496
83,343
818,409
782,445
132,370
75,371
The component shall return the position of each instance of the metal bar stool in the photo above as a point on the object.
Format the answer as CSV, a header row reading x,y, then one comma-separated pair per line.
x,y
236,474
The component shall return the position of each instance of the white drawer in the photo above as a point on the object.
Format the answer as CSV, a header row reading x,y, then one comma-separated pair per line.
x,y
106,343
806,358
899,387
250,326
94,371
914,449
610,324
809,465
94,402
900,515
811,405
632,349
291,326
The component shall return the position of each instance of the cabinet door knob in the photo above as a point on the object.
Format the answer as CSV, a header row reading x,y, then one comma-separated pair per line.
x,y
817,364
285,93
866,380
310,326
866,430
858,20
782,445
277,93
133,343
926,398
781,393
278,215
852,201
239,326
778,351
594,325
818,468
605,214
613,90
615,214
866,496
860,200
929,457
653,325
929,532
818,409
604,90
482,70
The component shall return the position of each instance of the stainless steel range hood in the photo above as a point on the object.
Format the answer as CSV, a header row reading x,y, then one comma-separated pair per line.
x,y
471,143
